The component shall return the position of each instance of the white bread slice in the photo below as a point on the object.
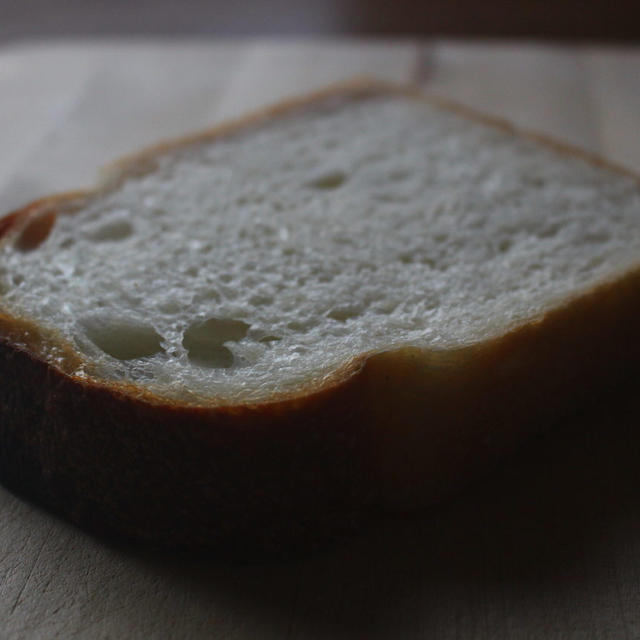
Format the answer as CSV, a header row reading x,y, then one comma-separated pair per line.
x,y
352,300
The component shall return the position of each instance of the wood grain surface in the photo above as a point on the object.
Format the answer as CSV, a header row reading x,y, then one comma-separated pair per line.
x,y
548,546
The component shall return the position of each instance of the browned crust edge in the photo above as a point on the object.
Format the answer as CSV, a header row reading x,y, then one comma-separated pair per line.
x,y
398,428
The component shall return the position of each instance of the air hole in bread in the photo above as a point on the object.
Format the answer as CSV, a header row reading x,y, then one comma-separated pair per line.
x,y
384,307
259,300
112,231
205,341
67,243
406,258
209,295
36,231
7,223
535,181
397,175
331,179
122,338
270,339
213,356
302,326
597,236
170,306
549,231
440,237
344,313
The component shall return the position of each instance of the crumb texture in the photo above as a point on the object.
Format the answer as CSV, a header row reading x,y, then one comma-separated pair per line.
x,y
262,261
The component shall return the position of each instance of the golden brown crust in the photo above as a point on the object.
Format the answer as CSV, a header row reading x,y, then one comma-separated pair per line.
x,y
399,428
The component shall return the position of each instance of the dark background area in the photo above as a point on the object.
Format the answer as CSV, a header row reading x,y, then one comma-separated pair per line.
x,y
573,20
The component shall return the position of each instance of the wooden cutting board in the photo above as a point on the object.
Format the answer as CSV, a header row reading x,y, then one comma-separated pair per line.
x,y
547,547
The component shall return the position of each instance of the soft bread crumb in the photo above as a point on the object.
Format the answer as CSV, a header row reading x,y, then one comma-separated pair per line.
x,y
257,263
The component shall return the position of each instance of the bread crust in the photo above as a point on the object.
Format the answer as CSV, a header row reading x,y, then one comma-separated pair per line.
x,y
396,429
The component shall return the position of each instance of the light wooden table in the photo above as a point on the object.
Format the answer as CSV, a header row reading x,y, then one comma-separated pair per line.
x,y
548,547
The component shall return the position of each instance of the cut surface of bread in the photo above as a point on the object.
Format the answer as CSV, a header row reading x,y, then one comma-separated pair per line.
x,y
354,300
256,263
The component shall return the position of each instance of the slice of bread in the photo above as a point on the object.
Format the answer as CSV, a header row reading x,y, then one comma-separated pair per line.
x,y
350,301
